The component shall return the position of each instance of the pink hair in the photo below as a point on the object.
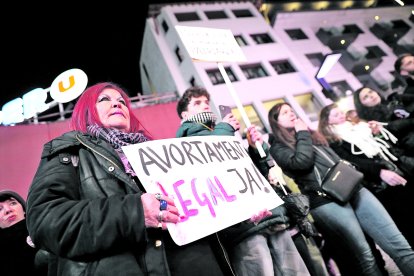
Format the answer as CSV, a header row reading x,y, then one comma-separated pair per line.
x,y
85,113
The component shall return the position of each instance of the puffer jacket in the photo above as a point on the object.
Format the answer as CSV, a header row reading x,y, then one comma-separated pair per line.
x,y
299,164
77,207
234,234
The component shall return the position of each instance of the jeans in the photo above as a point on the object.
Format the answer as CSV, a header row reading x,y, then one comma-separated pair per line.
x,y
346,223
268,254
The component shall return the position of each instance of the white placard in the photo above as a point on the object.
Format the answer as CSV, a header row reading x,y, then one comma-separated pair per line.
x,y
212,180
210,44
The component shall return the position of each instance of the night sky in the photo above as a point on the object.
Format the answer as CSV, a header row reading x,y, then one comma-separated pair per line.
x,y
39,43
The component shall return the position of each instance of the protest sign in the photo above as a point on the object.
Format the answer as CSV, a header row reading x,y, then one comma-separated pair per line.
x,y
216,45
210,44
212,180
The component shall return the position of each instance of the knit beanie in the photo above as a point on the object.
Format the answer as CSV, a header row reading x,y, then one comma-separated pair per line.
x,y
7,194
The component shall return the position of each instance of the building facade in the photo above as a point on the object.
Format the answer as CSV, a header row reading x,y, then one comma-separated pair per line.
x,y
283,55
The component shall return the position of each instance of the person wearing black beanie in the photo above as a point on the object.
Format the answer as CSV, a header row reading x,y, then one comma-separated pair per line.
x,y
17,252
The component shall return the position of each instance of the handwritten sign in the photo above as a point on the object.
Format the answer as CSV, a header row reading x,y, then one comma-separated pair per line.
x,y
212,180
210,44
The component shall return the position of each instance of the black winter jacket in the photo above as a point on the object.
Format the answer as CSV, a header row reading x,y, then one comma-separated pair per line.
x,y
299,164
85,210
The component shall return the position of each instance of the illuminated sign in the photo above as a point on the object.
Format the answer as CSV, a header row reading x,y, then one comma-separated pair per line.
x,y
66,87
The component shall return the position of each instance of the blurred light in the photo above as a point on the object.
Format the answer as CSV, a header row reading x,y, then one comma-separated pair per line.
x,y
343,41
369,3
327,64
295,6
34,102
366,67
346,4
377,17
321,5
13,112
343,104
399,2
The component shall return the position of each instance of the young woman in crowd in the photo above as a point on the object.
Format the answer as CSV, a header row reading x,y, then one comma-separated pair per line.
x,y
18,255
356,143
297,151
397,116
262,248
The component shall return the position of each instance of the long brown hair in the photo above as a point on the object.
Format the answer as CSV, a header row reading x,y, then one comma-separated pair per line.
x,y
287,135
323,125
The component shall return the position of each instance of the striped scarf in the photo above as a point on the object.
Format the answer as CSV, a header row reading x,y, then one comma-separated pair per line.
x,y
117,138
207,118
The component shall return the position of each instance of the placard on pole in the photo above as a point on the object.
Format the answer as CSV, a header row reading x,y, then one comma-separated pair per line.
x,y
216,45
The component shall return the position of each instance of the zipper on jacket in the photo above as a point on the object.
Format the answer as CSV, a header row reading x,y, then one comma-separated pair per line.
x,y
225,254
107,158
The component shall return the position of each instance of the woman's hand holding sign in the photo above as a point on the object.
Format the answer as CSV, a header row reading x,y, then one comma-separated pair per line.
x,y
158,210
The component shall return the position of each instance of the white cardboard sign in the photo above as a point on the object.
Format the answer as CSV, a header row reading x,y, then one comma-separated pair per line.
x,y
212,180
210,44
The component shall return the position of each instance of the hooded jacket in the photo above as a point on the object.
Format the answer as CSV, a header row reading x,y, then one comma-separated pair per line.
x,y
77,205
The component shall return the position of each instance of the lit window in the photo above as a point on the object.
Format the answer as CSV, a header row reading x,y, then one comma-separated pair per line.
x,y
310,105
269,104
253,118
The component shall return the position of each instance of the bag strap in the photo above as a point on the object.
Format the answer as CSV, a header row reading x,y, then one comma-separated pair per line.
x,y
324,155
318,174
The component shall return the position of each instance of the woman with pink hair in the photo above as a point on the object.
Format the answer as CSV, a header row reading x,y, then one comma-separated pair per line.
x,y
88,208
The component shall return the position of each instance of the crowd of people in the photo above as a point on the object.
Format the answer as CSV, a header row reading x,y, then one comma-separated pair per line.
x,y
87,212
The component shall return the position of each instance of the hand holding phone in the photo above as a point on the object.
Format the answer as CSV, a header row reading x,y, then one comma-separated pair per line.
x,y
224,110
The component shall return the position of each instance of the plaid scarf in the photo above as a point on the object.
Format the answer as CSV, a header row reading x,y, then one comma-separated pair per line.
x,y
207,118
117,139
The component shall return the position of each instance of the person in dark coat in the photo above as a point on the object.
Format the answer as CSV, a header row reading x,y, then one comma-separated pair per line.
x,y
356,143
404,66
301,153
261,245
17,251
396,116
87,207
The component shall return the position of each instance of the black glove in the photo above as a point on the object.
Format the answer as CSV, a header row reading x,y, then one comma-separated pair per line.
x,y
306,227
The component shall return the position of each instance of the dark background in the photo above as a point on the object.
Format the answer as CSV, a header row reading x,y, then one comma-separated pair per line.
x,y
39,41
38,44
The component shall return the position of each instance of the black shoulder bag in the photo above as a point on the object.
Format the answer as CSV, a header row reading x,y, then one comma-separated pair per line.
x,y
341,180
